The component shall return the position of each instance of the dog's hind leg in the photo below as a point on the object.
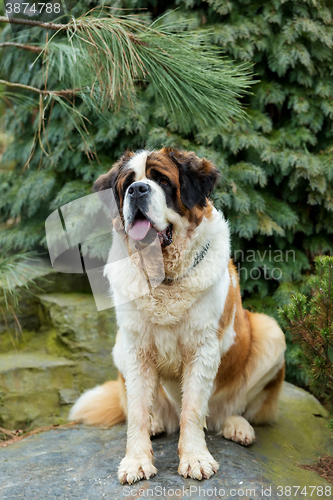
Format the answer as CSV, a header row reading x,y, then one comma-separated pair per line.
x,y
164,417
238,429
263,409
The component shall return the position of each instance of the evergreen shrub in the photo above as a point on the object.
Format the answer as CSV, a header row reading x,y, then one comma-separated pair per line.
x,y
310,322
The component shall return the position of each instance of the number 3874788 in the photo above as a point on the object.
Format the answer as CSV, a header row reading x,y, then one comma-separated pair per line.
x,y
32,9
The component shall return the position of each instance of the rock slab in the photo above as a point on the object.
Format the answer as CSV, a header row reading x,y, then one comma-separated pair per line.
x,y
81,463
69,352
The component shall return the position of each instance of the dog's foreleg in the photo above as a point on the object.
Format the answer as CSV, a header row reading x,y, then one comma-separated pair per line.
x,y
198,379
141,387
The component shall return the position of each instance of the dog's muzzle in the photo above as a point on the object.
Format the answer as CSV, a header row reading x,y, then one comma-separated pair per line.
x,y
139,224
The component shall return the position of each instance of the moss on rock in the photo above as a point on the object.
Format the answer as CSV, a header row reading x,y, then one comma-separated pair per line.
x,y
300,436
74,336
30,385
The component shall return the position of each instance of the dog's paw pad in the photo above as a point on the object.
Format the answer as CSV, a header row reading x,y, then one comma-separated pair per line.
x,y
238,429
134,469
198,466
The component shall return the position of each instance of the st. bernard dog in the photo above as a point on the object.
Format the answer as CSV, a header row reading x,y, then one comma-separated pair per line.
x,y
189,356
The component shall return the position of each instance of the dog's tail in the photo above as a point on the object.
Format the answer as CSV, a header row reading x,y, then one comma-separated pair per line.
x,y
103,405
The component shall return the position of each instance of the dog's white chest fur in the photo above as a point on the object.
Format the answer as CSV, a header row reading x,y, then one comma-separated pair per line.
x,y
172,321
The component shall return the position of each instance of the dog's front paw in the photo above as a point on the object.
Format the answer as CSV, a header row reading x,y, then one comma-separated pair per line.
x,y
134,469
239,430
199,467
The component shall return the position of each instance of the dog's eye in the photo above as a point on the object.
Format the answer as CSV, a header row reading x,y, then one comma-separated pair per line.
x,y
163,182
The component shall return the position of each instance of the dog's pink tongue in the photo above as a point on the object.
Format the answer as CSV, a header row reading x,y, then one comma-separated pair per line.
x,y
140,229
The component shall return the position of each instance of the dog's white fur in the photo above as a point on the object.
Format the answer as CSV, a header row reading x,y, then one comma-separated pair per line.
x,y
170,345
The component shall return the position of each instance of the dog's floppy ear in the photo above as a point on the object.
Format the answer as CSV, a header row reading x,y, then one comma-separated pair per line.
x,y
105,186
197,178
109,181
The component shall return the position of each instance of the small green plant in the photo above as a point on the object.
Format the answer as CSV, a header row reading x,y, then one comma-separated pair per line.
x,y
17,271
310,322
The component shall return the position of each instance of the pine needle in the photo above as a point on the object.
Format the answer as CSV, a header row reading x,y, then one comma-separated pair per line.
x,y
16,272
107,56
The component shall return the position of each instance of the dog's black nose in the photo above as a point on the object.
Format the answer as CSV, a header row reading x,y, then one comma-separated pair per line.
x,y
138,189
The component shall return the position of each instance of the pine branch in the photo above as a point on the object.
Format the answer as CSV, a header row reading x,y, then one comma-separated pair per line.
x,y
57,26
32,48
29,22
40,91
106,56
50,26
17,272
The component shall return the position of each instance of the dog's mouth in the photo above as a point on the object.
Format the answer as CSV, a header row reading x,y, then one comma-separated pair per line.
x,y
141,225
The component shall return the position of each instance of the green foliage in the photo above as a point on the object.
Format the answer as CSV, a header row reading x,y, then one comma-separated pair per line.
x,y
184,71
17,272
276,185
310,323
105,56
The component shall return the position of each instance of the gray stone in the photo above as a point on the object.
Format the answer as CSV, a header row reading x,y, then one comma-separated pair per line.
x,y
36,361
72,347
68,396
77,330
81,463
77,321
29,388
46,280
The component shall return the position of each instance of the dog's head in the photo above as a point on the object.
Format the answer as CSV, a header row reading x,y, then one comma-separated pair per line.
x,y
158,190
